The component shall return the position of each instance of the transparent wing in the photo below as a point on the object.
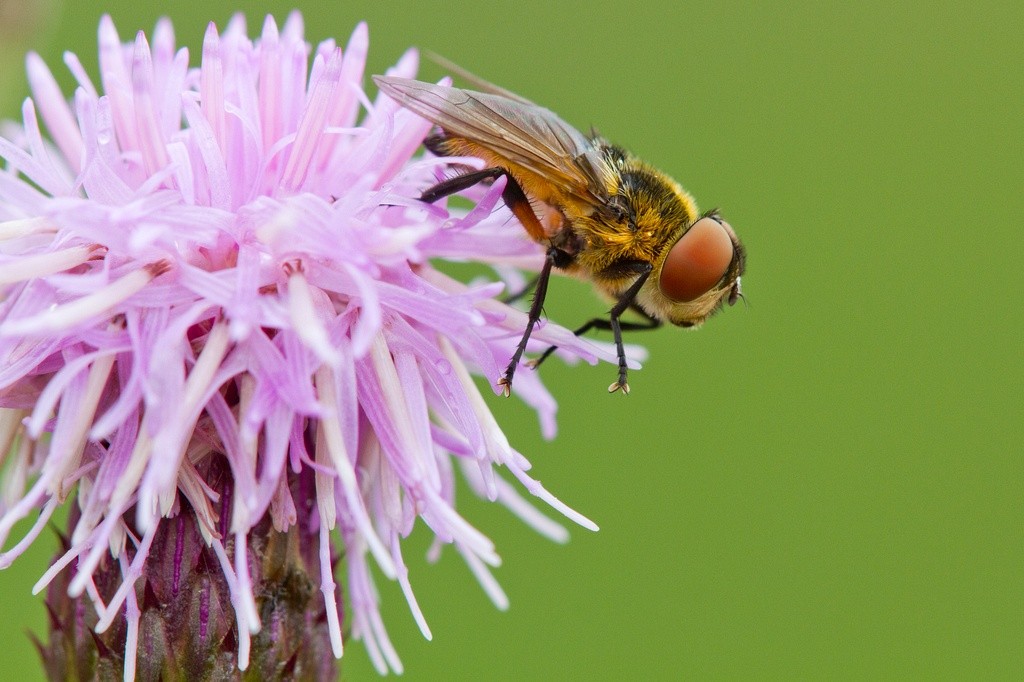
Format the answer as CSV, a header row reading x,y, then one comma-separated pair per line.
x,y
476,81
524,133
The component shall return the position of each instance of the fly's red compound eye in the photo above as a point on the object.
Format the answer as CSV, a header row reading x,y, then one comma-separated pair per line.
x,y
697,262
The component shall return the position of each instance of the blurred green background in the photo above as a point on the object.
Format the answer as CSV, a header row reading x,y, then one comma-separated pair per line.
x,y
826,483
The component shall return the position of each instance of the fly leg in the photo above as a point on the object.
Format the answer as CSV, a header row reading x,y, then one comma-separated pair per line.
x,y
536,308
519,204
613,318
527,288
459,183
613,324
512,195
602,324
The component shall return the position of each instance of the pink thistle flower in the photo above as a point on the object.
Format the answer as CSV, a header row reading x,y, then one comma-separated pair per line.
x,y
217,307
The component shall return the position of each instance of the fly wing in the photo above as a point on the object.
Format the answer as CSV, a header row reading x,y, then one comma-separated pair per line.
x,y
524,133
476,81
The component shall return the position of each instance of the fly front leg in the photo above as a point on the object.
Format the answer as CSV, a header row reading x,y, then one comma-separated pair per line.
x,y
603,324
625,302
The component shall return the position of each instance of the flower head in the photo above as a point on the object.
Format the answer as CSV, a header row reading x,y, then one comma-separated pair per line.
x,y
217,304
